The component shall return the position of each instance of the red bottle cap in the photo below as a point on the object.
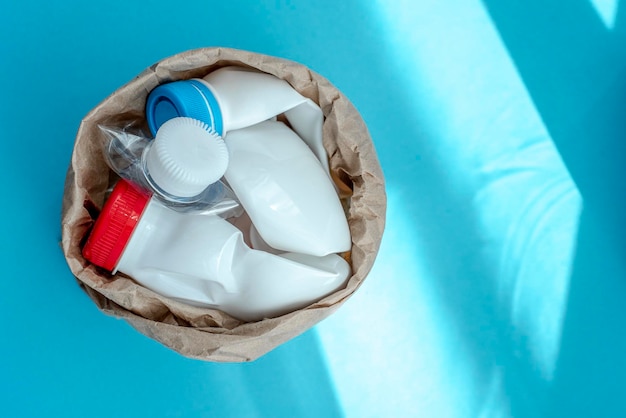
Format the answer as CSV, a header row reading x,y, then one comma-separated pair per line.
x,y
115,225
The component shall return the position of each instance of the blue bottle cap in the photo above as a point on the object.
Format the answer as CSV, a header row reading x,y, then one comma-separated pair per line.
x,y
185,98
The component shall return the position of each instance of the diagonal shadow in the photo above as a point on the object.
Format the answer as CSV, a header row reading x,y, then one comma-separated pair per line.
x,y
439,207
575,70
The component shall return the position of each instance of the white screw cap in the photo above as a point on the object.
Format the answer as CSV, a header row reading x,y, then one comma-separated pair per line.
x,y
186,157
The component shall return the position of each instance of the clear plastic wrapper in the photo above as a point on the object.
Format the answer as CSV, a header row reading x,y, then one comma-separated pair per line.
x,y
125,151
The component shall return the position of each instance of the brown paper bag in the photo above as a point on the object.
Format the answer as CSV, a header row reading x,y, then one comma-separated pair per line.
x,y
206,333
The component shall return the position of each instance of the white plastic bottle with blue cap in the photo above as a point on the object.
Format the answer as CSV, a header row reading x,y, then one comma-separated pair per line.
x,y
232,98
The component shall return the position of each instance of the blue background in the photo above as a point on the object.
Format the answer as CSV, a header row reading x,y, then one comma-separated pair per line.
x,y
500,287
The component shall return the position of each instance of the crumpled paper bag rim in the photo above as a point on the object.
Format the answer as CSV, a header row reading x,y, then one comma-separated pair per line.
x,y
201,333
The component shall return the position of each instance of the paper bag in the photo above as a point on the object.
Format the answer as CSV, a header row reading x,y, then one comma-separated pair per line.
x,y
203,333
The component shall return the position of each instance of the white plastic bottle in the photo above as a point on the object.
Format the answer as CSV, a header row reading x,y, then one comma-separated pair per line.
x,y
285,191
184,159
202,260
235,97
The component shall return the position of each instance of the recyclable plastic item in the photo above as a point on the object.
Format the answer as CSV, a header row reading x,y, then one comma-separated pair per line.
x,y
185,158
203,260
285,191
181,166
234,97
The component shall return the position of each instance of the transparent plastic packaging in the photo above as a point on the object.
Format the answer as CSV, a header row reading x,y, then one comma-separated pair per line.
x,y
126,151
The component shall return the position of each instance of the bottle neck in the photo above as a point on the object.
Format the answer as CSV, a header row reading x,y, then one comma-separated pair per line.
x,y
153,218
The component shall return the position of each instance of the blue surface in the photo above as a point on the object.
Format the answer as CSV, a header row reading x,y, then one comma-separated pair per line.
x,y
501,284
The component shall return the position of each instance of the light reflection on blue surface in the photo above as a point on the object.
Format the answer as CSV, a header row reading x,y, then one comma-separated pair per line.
x,y
575,69
529,210
607,11
493,143
487,231
407,336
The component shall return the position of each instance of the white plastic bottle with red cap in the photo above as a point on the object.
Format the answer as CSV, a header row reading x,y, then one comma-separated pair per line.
x,y
203,260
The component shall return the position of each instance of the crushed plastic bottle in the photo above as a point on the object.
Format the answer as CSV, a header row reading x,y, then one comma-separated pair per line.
x,y
202,260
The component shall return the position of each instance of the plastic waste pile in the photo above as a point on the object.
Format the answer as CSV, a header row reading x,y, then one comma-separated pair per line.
x,y
228,203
